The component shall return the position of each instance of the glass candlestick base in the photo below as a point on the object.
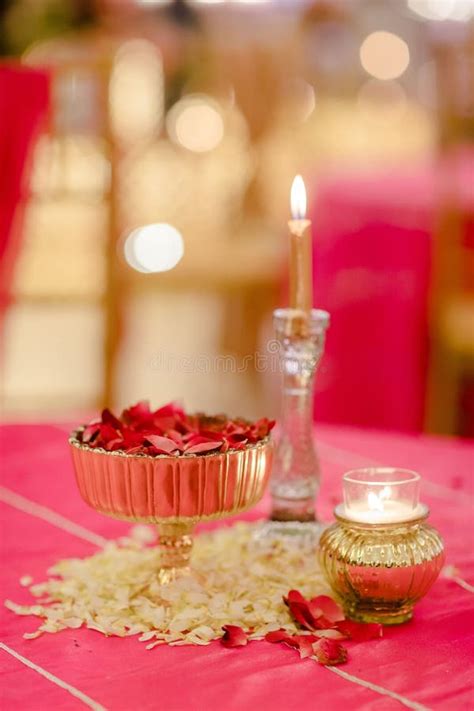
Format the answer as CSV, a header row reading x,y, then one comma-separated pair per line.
x,y
296,472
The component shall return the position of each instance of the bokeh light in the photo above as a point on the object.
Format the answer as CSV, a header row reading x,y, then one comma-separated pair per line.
x,y
154,248
303,97
384,55
136,91
458,10
195,122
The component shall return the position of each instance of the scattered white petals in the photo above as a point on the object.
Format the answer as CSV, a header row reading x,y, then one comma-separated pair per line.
x,y
237,580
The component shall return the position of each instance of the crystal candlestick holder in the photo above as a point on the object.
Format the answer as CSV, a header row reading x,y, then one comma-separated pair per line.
x,y
296,472
381,557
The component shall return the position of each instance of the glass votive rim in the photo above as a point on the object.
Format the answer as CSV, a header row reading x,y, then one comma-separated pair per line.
x,y
408,476
377,495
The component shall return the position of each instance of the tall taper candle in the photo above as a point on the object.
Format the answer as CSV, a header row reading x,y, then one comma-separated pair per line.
x,y
301,277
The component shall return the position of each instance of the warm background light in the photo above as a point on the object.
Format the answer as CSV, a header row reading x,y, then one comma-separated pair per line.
x,y
136,91
459,10
382,101
154,248
195,123
384,55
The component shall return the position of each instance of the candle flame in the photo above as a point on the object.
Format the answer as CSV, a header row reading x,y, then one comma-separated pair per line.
x,y
298,199
376,501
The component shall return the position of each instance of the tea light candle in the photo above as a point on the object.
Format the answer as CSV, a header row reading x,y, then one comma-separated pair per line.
x,y
381,495
381,556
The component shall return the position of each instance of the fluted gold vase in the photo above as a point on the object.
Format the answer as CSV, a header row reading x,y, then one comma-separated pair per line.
x,y
173,492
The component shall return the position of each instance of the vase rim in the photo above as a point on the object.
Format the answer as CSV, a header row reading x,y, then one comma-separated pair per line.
x,y
74,441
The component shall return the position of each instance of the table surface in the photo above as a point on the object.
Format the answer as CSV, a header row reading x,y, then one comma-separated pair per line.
x,y
426,663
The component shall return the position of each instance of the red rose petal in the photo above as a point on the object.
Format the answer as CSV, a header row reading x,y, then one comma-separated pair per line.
x,y
234,636
138,414
305,644
330,633
298,641
329,652
107,433
90,432
138,427
114,444
359,631
283,636
202,447
135,450
108,418
300,610
176,437
277,636
198,439
324,606
172,409
209,435
164,444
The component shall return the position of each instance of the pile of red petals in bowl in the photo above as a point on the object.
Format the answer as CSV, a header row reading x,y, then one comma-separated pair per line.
x,y
171,431
323,627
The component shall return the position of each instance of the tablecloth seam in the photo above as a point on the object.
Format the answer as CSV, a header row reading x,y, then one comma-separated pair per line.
x,y
77,693
379,689
17,501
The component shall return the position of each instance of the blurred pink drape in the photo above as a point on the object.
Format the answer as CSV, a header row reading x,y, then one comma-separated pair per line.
x,y
372,249
24,101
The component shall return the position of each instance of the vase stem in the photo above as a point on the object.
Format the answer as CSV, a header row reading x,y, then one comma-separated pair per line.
x,y
295,479
175,545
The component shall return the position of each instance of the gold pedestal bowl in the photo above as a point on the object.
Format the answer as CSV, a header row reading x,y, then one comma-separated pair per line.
x,y
174,492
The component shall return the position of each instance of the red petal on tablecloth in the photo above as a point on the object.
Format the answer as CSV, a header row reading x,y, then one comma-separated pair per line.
x,y
330,633
325,606
360,632
305,644
234,636
277,636
302,642
329,652
300,610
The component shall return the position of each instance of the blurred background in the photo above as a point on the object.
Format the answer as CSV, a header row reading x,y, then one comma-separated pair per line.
x,y
148,150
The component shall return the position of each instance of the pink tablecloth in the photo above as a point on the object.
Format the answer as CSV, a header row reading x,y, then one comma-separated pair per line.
x,y
427,663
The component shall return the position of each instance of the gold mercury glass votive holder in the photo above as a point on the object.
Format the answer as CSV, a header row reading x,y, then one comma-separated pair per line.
x,y
174,492
381,557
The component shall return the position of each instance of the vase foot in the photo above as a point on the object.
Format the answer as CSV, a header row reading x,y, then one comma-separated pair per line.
x,y
169,575
382,615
